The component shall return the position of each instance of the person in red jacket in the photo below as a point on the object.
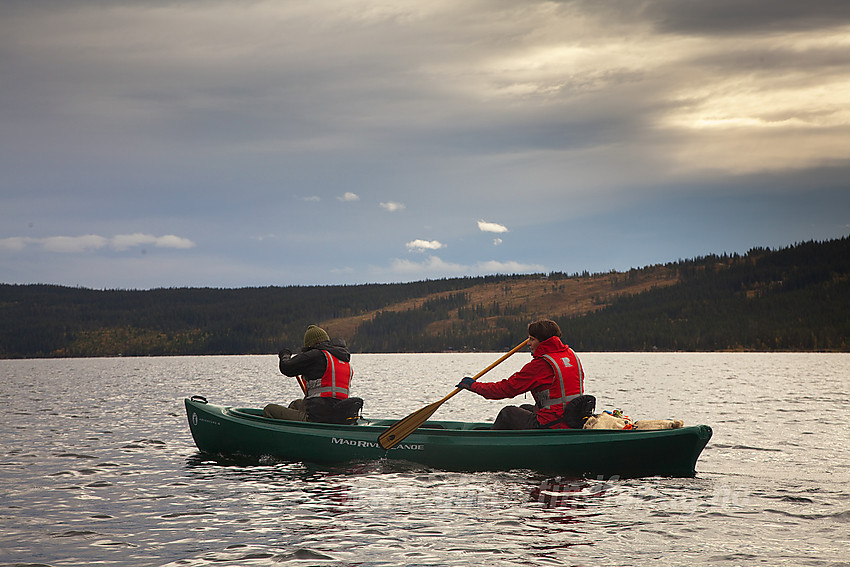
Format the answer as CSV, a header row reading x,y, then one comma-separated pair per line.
x,y
554,378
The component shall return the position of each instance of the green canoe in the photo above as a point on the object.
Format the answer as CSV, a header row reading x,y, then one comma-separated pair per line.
x,y
449,445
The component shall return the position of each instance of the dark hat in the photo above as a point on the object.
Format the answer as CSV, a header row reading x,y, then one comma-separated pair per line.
x,y
314,336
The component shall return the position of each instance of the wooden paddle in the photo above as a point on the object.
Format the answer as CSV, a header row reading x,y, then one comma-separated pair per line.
x,y
401,429
302,384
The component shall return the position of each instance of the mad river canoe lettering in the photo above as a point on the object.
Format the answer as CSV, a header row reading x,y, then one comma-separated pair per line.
x,y
372,444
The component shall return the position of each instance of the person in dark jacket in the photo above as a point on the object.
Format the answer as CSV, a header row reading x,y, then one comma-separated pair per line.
x,y
323,368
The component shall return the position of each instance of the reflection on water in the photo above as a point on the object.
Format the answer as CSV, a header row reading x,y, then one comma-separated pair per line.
x,y
98,467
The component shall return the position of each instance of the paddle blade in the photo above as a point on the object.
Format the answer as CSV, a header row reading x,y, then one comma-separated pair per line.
x,y
401,429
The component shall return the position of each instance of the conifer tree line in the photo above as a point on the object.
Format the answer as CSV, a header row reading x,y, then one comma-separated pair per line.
x,y
790,299
794,299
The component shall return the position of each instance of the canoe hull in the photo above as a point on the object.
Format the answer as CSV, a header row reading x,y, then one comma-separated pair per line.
x,y
244,433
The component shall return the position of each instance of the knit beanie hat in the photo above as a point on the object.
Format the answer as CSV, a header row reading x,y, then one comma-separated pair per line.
x,y
314,336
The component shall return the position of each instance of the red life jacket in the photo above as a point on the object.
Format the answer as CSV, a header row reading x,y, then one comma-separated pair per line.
x,y
334,382
567,368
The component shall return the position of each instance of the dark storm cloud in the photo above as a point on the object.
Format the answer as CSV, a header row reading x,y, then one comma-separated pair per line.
x,y
240,127
734,17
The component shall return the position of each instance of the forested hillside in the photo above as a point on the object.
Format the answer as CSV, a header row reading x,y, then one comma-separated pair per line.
x,y
46,320
796,298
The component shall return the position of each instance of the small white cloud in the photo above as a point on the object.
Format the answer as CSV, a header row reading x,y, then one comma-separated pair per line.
x,y
72,244
392,207
311,199
422,245
494,267
171,241
433,265
485,226
14,243
78,244
349,197
125,241
497,241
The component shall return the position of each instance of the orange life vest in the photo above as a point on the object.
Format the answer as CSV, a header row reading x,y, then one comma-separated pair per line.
x,y
565,366
334,382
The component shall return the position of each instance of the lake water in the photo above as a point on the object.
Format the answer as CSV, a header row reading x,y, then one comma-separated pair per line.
x,y
97,467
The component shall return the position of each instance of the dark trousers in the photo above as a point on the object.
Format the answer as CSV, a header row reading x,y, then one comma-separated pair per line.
x,y
517,417
295,411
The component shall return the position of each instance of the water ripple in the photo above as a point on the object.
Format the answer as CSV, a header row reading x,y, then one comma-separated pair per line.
x,y
105,486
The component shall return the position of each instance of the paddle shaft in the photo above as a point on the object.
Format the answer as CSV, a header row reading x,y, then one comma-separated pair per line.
x,y
397,432
302,384
488,369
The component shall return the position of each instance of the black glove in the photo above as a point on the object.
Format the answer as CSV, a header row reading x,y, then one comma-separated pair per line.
x,y
284,354
466,383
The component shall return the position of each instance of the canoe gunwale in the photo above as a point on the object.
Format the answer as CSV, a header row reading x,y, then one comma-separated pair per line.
x,y
447,427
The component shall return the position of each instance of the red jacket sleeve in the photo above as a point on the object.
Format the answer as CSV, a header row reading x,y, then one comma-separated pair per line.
x,y
532,376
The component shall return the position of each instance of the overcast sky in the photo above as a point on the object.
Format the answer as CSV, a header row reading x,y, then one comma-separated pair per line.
x,y
154,144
